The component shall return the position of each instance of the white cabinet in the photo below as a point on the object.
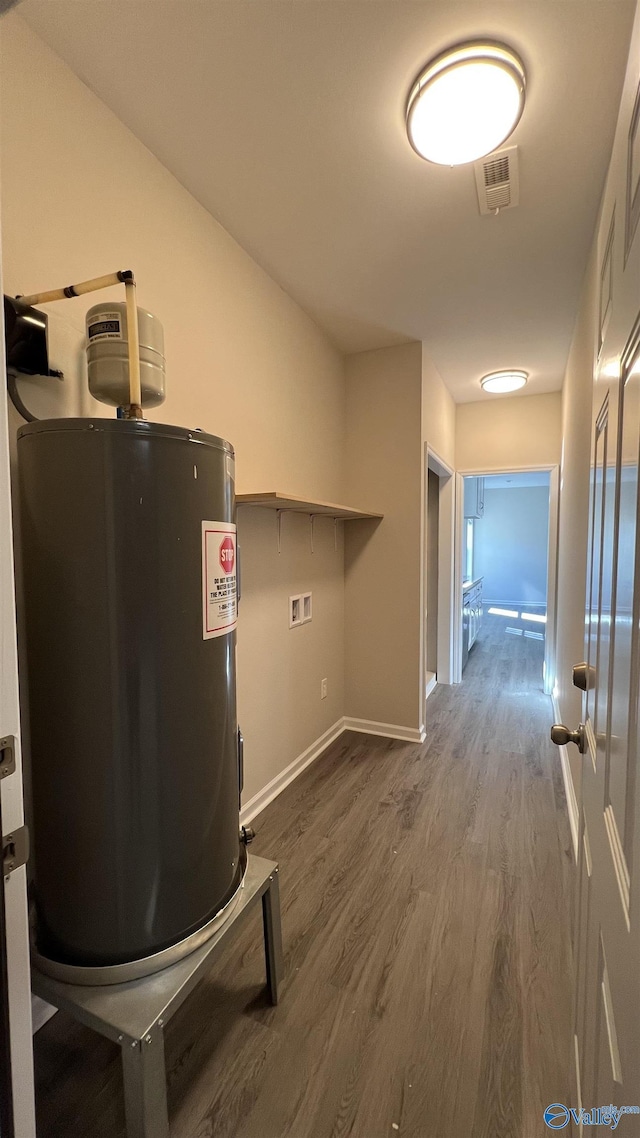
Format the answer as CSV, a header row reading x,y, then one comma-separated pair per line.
x,y
475,612
471,616
474,497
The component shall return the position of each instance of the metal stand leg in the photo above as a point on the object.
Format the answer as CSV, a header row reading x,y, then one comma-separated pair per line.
x,y
124,1011
272,936
145,1087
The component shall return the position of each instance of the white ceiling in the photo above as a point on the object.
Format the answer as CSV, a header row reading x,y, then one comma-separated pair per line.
x,y
285,119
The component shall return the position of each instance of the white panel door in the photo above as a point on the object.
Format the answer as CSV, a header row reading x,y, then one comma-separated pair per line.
x,y
607,944
607,1003
17,977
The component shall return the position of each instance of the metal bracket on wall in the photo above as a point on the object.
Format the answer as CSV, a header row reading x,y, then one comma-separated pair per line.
x,y
312,518
7,755
15,850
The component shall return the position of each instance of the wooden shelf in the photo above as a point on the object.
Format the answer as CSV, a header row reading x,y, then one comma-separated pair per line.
x,y
273,500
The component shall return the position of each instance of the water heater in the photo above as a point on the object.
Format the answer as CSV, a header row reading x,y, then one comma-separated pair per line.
x,y
129,558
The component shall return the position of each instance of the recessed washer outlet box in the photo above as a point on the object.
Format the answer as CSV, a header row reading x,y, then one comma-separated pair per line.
x,y
295,611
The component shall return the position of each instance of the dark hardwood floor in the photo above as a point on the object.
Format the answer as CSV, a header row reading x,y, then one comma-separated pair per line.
x,y
426,896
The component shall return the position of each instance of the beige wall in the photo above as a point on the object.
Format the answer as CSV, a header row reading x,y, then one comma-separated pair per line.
x,y
281,668
438,413
383,589
82,196
509,433
439,437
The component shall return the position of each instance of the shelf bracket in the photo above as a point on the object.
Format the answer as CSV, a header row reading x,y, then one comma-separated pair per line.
x,y
311,521
279,517
335,534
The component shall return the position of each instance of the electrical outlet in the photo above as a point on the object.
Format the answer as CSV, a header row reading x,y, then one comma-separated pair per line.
x,y
307,610
323,688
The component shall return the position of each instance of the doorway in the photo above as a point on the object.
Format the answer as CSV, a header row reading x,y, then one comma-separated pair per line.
x,y
505,575
431,615
438,639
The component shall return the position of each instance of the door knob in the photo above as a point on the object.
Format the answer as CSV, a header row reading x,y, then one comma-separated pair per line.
x,y
584,677
561,735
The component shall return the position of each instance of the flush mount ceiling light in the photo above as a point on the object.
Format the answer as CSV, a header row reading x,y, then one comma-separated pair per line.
x,y
465,103
500,382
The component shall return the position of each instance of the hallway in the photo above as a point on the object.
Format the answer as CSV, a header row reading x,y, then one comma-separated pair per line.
x,y
425,900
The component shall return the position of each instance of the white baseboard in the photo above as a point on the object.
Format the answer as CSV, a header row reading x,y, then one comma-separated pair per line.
x,y
569,789
387,730
431,684
262,799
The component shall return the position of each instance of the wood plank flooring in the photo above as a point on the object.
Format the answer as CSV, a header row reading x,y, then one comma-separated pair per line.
x,y
426,896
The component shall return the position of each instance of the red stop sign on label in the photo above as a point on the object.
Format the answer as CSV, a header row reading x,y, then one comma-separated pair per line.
x,y
227,554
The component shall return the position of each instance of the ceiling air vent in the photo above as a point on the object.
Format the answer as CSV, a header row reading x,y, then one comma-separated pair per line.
x,y
497,180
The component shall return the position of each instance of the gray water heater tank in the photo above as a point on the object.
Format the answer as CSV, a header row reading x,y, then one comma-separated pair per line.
x,y
129,561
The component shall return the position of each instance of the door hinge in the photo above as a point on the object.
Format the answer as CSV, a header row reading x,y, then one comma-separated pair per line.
x,y
15,850
7,755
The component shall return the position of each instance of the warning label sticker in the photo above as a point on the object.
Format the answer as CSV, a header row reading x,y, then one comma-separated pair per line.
x,y
219,587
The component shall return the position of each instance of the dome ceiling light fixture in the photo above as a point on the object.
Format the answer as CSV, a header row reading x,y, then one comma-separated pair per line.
x,y
465,103
501,382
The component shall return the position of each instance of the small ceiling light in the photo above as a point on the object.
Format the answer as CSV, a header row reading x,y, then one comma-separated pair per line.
x,y
500,382
465,103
